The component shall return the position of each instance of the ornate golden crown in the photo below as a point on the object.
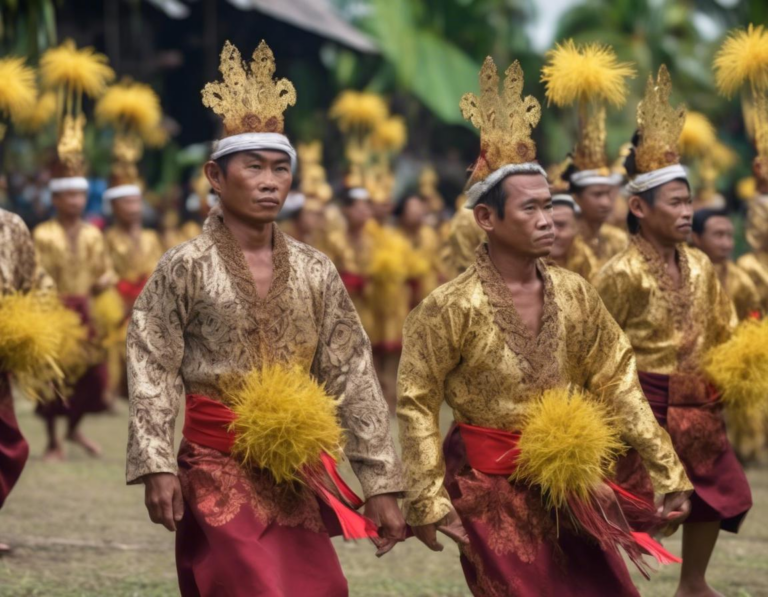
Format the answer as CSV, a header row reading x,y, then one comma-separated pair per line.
x,y
505,120
249,99
70,146
660,125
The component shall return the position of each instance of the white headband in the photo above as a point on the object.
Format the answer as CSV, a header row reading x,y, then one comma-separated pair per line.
x,y
478,189
655,178
563,198
359,194
72,183
584,178
255,141
120,191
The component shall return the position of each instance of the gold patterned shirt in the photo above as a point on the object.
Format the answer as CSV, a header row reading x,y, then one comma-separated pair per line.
x,y
19,268
670,328
133,258
75,267
199,320
581,260
466,345
463,239
608,242
756,267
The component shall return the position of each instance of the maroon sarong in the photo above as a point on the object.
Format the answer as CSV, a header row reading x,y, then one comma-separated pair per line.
x,y
690,410
88,393
517,546
243,534
14,449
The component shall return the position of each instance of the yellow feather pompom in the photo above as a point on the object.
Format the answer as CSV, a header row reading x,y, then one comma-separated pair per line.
x,y
746,188
590,73
37,336
108,313
739,367
698,135
131,106
79,70
743,58
39,114
566,446
285,420
18,91
390,134
358,109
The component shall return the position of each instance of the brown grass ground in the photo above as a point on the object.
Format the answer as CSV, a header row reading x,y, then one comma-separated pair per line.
x,y
78,531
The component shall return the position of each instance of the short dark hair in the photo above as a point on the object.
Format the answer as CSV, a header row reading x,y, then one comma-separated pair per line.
x,y
649,197
495,198
403,201
702,216
223,162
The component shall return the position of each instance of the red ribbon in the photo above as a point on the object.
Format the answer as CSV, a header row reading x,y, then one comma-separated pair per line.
x,y
354,283
207,422
495,452
130,291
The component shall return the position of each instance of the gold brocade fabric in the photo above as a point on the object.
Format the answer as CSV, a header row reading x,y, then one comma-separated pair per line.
x,y
466,345
670,328
756,267
426,267
19,269
581,260
610,241
75,267
463,239
200,321
740,288
133,259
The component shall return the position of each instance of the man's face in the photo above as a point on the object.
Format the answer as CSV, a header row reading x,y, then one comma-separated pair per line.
x,y
527,227
357,214
255,185
70,204
564,220
127,210
414,212
381,210
717,239
669,218
309,221
596,202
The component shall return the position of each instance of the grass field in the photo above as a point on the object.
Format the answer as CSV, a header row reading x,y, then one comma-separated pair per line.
x,y
78,531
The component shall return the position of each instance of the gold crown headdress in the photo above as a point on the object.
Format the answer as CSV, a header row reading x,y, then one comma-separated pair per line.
x,y
428,180
589,76
133,111
660,125
249,99
505,122
742,63
17,93
555,174
72,73
314,183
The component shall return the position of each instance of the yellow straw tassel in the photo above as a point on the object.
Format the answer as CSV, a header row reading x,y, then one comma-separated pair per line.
x,y
285,420
80,70
108,314
134,106
18,91
739,367
698,136
358,109
567,444
743,58
37,336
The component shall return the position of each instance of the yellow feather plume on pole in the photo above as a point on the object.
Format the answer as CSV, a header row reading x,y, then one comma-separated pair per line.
x,y
285,420
38,115
590,73
566,446
698,135
390,135
739,367
18,90
743,58
358,109
38,337
130,106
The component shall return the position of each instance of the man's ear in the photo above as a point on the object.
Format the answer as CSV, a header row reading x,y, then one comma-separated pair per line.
x,y
484,217
214,175
637,206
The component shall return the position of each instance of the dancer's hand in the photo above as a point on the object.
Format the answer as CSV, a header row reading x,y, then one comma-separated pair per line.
x,y
450,526
383,510
162,496
674,507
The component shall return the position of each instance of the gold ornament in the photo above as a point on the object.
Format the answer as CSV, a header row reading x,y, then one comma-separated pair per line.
x,y
505,120
660,125
249,99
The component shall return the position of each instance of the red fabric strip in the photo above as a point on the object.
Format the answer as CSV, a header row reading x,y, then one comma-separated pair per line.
x,y
130,291
490,451
354,283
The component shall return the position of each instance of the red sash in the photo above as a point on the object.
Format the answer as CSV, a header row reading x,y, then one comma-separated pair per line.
x,y
207,423
354,283
130,291
495,452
